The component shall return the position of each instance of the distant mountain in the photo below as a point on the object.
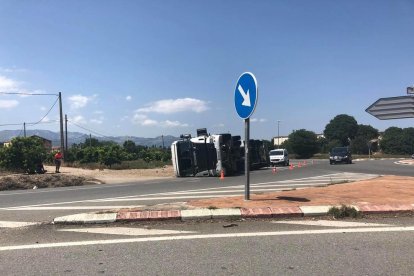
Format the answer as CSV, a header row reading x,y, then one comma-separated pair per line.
x,y
77,137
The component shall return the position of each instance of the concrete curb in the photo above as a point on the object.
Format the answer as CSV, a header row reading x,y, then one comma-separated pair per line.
x,y
225,213
86,218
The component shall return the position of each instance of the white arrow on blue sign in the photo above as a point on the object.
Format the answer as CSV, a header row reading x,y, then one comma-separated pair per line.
x,y
245,95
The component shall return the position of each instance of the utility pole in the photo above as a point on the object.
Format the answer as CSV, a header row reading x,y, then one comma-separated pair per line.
x,y
162,136
24,129
66,133
90,140
62,142
278,136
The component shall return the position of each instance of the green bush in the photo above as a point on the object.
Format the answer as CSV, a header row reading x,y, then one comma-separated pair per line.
x,y
344,212
23,154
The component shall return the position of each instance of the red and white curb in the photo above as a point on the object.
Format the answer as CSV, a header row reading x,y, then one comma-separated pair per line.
x,y
229,213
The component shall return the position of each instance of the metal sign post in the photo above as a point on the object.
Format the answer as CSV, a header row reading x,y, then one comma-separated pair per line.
x,y
245,99
246,158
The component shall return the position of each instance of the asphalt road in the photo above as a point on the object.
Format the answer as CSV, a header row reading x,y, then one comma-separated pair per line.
x,y
372,246
44,204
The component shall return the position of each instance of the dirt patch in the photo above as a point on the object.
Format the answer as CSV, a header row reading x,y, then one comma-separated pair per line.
x,y
383,190
119,176
78,177
34,181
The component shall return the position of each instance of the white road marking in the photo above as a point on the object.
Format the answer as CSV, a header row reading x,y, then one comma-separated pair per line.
x,y
16,224
64,189
163,198
126,231
190,194
211,236
331,223
90,207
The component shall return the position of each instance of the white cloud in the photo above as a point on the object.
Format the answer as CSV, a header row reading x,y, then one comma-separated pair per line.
x,y
79,101
42,108
149,122
7,84
143,120
79,119
174,106
96,121
98,112
255,120
138,117
8,103
169,123
10,85
45,119
12,70
128,98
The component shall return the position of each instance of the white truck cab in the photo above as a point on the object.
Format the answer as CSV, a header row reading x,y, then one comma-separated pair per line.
x,y
279,156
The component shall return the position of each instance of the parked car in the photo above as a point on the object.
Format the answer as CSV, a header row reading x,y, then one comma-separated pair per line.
x,y
279,156
340,155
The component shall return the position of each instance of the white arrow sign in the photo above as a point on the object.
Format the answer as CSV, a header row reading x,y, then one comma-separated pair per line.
x,y
246,96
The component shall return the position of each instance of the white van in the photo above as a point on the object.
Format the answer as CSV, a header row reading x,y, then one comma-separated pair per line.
x,y
279,156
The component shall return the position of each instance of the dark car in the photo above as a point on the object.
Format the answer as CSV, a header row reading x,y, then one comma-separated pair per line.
x,y
340,155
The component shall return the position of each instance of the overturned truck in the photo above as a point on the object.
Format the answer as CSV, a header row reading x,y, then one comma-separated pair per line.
x,y
210,155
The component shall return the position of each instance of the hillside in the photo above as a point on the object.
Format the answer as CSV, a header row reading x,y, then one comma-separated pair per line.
x,y
77,137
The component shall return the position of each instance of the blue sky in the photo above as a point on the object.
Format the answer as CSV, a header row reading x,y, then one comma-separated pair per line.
x,y
150,68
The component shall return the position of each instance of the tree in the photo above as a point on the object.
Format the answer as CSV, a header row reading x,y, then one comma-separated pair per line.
x,y
408,140
88,155
323,145
91,142
392,141
109,155
286,145
304,143
365,134
342,128
23,154
130,146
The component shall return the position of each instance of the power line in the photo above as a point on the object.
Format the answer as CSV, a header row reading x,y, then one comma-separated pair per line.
x,y
35,123
11,124
46,113
20,132
48,122
27,94
90,130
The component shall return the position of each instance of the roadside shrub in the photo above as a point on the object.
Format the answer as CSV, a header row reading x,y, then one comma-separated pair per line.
x,y
344,212
22,154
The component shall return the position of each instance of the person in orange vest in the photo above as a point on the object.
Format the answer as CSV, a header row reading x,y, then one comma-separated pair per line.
x,y
58,161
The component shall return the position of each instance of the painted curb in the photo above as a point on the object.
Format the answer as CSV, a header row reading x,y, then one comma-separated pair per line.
x,y
230,213
195,214
385,208
315,210
86,218
225,213
148,215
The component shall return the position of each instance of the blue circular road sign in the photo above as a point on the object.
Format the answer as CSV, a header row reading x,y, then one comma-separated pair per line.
x,y
245,95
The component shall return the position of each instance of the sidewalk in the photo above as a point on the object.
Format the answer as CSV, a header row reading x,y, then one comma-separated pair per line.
x,y
385,194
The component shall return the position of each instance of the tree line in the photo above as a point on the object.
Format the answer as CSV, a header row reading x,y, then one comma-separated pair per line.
x,y
344,130
24,153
